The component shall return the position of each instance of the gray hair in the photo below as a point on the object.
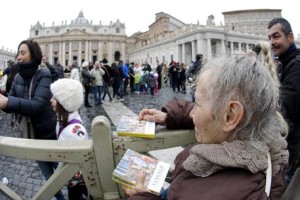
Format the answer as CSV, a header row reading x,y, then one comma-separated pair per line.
x,y
244,78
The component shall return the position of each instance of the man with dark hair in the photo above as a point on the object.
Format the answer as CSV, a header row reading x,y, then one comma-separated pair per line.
x,y
121,67
8,68
131,76
196,66
158,70
107,78
60,69
125,68
53,71
281,38
193,70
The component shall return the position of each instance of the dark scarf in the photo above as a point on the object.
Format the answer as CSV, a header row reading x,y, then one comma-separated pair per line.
x,y
289,52
27,70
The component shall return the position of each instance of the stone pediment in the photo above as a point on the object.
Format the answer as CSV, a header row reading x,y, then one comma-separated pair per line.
x,y
76,32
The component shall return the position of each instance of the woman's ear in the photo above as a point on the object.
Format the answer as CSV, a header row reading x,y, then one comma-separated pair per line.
x,y
233,115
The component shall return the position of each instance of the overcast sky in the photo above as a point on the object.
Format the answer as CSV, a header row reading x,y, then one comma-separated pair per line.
x,y
17,16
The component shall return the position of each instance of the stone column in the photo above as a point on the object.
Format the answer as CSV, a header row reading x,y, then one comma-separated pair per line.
x,y
79,51
179,53
201,48
208,44
231,48
70,52
223,47
89,51
240,46
50,59
63,58
183,53
99,51
60,52
86,50
193,50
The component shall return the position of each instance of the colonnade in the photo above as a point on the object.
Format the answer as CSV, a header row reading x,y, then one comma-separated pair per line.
x,y
210,48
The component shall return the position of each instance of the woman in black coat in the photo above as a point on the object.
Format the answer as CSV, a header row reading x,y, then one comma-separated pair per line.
x,y
30,96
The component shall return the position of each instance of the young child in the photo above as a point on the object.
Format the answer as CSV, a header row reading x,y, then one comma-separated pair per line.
x,y
156,82
137,78
66,100
151,83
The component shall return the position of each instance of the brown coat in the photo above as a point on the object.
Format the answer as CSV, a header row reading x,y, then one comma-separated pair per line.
x,y
229,184
176,121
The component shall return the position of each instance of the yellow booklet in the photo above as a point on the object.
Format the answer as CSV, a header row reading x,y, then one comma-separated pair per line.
x,y
132,163
131,126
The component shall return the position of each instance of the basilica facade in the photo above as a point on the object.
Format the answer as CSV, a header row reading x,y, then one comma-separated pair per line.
x,y
168,38
81,40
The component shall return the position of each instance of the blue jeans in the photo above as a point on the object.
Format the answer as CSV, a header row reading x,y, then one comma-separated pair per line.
x,y
121,87
152,91
97,94
47,169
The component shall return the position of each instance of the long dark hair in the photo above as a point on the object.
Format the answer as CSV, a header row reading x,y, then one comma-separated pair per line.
x,y
62,115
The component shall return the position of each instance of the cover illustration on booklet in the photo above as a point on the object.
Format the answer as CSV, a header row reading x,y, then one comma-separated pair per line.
x,y
132,163
132,126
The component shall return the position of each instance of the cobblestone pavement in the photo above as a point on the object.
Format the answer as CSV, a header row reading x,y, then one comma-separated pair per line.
x,y
25,177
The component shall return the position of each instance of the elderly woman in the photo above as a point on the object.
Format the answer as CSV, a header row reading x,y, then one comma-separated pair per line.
x,y
236,125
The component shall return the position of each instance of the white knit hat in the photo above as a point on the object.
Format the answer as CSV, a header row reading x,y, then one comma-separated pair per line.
x,y
68,93
85,64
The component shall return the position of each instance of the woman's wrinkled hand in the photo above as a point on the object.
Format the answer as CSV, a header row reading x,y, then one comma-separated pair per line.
x,y
139,187
153,115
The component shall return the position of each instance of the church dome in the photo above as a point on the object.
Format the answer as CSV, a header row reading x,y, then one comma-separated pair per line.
x,y
80,20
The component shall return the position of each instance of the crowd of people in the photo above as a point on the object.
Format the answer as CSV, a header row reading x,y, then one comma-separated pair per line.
x,y
129,77
244,110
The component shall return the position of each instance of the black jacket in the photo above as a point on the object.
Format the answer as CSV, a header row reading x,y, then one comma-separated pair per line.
x,y
108,73
289,76
38,108
53,71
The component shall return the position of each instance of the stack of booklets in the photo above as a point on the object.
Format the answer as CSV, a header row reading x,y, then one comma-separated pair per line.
x,y
132,163
133,127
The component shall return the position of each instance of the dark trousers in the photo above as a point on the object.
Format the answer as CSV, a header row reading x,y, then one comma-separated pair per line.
x,y
132,84
116,89
106,91
159,81
152,91
87,88
78,192
125,85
